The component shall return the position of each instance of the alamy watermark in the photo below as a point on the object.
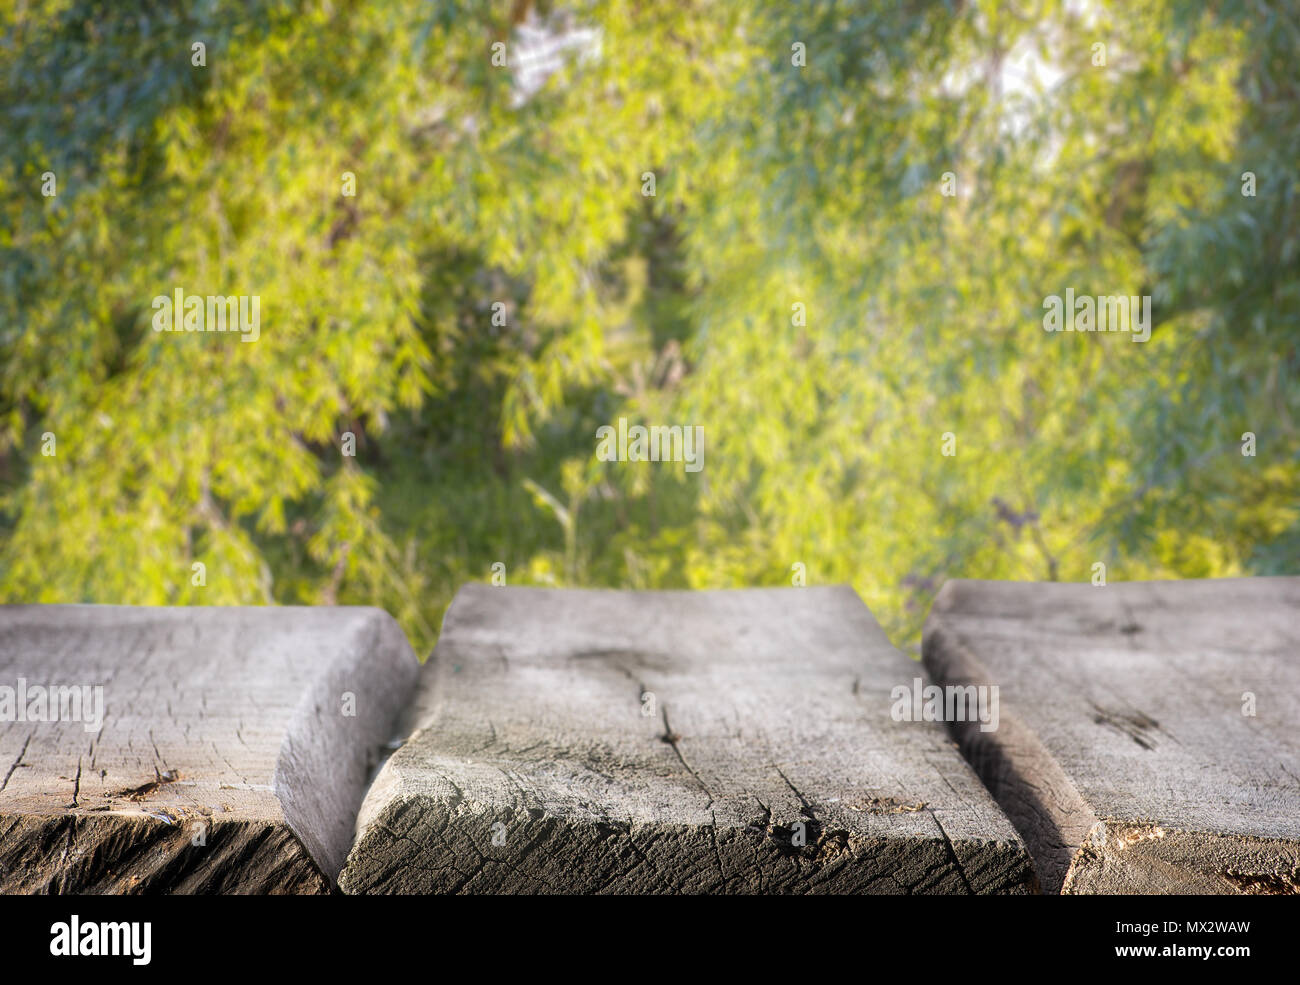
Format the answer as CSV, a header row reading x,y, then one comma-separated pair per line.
x,y
54,703
102,939
954,703
657,443
1105,313
240,313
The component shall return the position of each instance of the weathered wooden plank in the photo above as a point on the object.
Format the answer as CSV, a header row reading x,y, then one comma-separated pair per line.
x,y
230,758
1128,752
648,742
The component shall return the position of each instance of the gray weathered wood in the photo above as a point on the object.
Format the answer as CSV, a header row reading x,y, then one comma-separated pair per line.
x,y
771,713
1123,754
225,762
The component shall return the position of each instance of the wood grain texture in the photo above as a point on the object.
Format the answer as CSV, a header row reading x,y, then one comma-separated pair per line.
x,y
1123,755
225,762
537,769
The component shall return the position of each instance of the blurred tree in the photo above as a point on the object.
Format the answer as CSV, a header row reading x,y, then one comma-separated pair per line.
x,y
502,284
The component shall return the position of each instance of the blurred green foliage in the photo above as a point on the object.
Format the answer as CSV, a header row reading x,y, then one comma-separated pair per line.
x,y
775,185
